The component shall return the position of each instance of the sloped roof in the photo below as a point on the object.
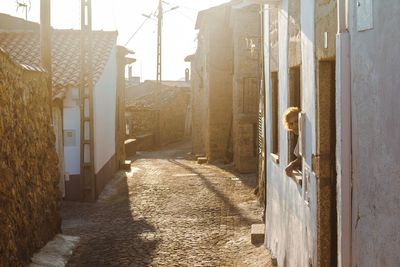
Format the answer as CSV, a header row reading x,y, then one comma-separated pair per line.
x,y
8,22
24,48
22,66
157,100
170,83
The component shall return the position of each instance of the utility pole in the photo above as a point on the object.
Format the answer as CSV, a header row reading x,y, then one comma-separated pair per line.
x,y
88,183
159,43
45,41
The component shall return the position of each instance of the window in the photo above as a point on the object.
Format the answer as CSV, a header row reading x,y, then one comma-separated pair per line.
x,y
275,116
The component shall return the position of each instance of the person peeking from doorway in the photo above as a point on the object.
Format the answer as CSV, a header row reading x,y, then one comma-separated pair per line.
x,y
291,123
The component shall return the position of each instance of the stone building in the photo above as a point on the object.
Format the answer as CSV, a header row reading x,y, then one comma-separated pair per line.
x,y
212,99
225,84
337,208
246,35
157,116
29,195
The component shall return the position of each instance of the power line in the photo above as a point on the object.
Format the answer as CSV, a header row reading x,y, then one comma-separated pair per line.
x,y
186,16
185,7
140,27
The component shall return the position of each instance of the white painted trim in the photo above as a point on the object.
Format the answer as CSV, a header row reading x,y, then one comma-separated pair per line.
x,y
343,148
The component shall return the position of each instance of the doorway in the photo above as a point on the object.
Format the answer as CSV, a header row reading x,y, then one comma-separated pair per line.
x,y
324,164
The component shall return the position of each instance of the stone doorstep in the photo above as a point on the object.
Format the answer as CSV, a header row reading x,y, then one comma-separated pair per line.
x,y
126,165
56,253
202,160
257,234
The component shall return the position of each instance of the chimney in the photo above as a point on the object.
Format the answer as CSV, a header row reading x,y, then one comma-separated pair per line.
x,y
130,72
187,78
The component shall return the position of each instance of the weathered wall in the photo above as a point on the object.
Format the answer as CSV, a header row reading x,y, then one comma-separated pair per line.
x,y
141,121
246,50
173,119
218,81
375,87
297,214
162,115
289,232
29,194
120,106
199,100
59,143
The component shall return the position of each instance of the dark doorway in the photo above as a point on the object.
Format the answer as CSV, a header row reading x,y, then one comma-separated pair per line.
x,y
324,164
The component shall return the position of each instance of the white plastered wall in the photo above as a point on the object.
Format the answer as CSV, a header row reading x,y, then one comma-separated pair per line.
x,y
71,124
104,107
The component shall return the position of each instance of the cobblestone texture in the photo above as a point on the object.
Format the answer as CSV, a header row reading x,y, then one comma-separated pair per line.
x,y
168,211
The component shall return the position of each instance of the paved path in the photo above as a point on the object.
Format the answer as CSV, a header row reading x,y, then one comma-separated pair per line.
x,y
168,211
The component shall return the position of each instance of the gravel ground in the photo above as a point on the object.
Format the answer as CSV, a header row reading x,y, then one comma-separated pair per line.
x,y
168,211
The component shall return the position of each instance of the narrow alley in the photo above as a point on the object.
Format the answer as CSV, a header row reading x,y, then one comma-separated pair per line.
x,y
168,211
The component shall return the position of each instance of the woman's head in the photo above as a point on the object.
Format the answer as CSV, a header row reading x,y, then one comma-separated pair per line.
x,y
290,119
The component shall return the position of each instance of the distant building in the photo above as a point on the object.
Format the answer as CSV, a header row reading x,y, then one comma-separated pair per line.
x,y
158,116
225,84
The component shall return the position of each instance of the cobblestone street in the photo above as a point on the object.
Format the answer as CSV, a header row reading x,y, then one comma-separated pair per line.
x,y
168,211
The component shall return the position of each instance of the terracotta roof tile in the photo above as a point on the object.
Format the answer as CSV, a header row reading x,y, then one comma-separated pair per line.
x,y
24,48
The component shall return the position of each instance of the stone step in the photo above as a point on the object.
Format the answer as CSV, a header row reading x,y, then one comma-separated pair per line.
x,y
126,165
202,160
257,234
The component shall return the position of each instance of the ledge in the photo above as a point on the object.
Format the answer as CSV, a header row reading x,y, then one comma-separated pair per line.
x,y
297,176
275,158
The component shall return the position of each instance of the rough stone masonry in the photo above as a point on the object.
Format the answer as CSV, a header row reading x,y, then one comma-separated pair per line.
x,y
29,196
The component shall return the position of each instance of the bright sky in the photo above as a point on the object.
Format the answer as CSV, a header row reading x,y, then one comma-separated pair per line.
x,y
126,17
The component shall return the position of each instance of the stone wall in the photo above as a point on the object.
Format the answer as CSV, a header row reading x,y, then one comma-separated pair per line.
x,y
245,24
199,100
161,115
214,64
29,195
173,119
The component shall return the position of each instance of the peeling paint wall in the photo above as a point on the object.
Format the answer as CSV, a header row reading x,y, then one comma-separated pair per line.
x,y
296,37
290,221
375,68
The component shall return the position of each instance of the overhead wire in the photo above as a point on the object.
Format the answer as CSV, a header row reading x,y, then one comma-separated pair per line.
x,y
184,15
140,27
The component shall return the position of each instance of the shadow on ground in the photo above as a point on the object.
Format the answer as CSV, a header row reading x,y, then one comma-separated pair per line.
x,y
209,185
110,236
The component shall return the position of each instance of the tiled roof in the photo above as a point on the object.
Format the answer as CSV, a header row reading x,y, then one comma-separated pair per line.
x,y
8,22
22,66
24,48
